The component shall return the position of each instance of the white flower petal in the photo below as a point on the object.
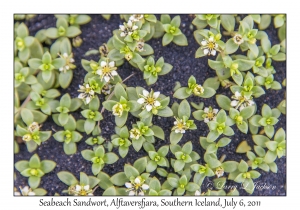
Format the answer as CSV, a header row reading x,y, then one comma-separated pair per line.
x,y
211,39
122,27
204,43
78,188
131,193
234,103
148,107
156,94
81,95
114,73
111,64
141,100
175,123
215,111
145,93
135,27
215,118
106,78
81,87
206,110
128,185
88,100
129,24
122,34
205,51
17,193
213,52
237,94
137,181
156,103
25,190
182,131
197,192
65,55
177,131
206,120
87,86
103,63
99,72
86,187
91,194
216,46
91,92
141,193
31,193
61,69
145,187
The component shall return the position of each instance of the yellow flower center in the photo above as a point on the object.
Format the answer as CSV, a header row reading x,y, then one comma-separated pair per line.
x,y
211,45
106,70
150,100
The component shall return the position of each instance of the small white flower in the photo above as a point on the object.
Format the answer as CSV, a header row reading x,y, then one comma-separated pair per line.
x,y
135,18
179,126
128,28
198,90
210,47
137,186
87,93
135,133
26,191
82,190
107,70
240,101
219,172
140,45
149,100
209,114
118,109
69,60
238,39
33,127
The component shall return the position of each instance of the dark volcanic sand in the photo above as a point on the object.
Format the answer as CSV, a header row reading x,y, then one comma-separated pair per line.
x,y
97,32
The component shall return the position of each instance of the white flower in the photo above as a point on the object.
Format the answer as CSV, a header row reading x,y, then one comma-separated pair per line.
x,y
27,137
136,17
107,70
210,47
107,89
68,62
209,114
26,191
135,133
127,29
219,172
140,45
179,126
136,186
149,100
198,90
83,190
87,93
238,39
240,101
118,109
33,127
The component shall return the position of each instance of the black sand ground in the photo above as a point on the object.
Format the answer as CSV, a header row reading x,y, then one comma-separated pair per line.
x,y
97,32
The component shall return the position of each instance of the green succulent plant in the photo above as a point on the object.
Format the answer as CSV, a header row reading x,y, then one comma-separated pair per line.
x,y
34,169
